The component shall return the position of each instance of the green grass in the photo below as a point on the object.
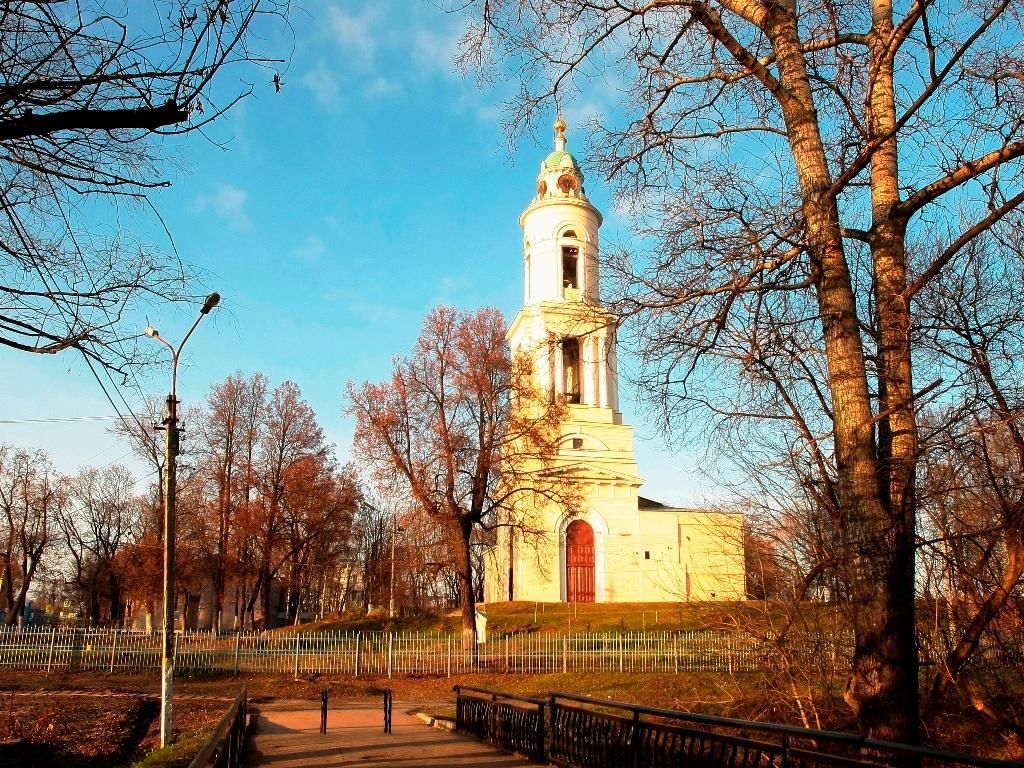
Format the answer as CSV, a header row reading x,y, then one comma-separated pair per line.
x,y
516,617
177,755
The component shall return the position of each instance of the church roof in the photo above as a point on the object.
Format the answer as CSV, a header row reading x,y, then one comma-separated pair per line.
x,y
557,159
644,503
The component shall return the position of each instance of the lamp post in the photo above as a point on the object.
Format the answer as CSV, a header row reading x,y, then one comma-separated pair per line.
x,y
170,427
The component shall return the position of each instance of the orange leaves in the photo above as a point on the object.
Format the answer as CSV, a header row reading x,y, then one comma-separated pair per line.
x,y
437,426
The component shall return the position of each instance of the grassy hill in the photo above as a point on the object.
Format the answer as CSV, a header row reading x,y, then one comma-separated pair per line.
x,y
505,618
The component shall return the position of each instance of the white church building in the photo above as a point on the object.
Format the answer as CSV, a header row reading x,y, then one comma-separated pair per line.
x,y
622,547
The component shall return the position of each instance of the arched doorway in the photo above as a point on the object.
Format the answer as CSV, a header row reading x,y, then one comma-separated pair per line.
x,y
579,562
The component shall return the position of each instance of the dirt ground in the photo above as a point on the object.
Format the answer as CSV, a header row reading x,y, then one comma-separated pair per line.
x,y
109,723
91,727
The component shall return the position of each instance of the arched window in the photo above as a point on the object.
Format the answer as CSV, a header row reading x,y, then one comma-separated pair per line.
x,y
528,276
570,267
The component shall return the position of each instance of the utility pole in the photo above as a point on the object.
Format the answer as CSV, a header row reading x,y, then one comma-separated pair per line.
x,y
170,427
170,497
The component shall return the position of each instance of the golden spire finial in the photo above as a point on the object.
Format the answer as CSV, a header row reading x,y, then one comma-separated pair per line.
x,y
560,127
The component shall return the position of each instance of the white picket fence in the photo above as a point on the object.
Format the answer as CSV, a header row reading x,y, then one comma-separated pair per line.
x,y
382,653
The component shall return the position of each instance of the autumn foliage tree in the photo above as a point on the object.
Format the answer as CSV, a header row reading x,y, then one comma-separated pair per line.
x,y
262,504
460,429
803,174
274,505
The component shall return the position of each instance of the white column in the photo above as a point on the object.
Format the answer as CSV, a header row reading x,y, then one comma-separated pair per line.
x,y
594,371
612,375
559,372
602,369
587,382
544,363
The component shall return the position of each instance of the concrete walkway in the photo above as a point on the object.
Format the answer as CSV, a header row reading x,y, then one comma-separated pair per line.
x,y
288,735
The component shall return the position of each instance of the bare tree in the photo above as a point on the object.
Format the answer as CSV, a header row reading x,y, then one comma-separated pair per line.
x,y
973,467
87,90
30,502
104,517
781,157
372,530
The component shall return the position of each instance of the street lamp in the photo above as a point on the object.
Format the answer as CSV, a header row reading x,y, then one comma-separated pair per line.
x,y
170,426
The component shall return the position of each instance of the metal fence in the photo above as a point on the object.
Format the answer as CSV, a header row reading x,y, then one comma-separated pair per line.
x,y
387,654
382,653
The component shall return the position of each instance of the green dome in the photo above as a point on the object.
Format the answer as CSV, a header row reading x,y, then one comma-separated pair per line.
x,y
554,160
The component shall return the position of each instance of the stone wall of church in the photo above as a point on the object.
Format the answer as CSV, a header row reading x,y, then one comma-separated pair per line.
x,y
658,555
692,555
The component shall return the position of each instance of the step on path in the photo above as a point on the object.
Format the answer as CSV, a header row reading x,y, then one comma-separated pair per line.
x,y
288,736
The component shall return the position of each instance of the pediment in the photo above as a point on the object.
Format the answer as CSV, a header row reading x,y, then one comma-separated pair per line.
x,y
582,470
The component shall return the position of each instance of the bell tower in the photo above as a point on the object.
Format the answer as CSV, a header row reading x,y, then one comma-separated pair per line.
x,y
616,547
562,324
570,337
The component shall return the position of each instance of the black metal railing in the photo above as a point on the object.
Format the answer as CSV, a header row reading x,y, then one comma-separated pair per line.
x,y
585,732
508,722
224,749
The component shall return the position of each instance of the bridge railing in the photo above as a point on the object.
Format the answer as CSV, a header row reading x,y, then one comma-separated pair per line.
x,y
503,720
224,749
584,732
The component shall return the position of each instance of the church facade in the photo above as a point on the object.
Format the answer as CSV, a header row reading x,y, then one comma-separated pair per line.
x,y
621,547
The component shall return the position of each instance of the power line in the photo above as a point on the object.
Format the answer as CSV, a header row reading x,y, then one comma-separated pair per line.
x,y
57,419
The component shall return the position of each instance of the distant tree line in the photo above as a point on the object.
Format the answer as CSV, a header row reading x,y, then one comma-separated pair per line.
x,y
269,524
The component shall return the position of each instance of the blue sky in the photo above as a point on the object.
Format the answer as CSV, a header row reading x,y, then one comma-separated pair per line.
x,y
332,216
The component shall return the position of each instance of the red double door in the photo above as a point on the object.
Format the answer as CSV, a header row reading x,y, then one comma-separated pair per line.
x,y
579,562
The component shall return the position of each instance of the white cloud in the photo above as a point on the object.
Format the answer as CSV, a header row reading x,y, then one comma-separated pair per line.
x,y
310,249
490,113
228,202
355,33
324,85
437,50
383,87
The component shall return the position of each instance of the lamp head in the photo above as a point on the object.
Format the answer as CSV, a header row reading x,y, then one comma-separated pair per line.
x,y
151,332
211,301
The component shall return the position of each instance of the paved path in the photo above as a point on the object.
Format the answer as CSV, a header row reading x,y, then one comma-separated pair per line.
x,y
288,736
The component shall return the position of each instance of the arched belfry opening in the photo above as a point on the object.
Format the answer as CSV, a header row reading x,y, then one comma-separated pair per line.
x,y
580,582
570,267
571,370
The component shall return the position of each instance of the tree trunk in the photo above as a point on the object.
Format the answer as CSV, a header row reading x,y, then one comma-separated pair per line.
x,y
266,597
883,684
882,689
250,603
464,573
